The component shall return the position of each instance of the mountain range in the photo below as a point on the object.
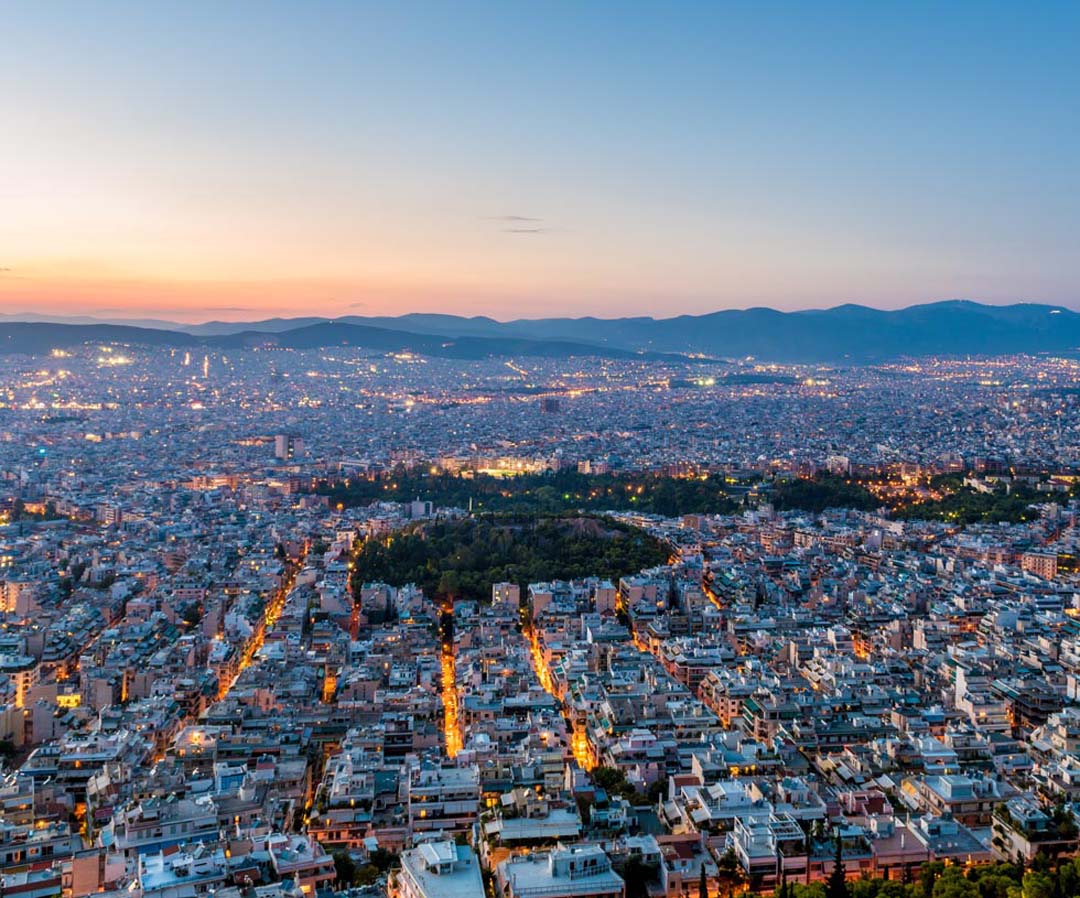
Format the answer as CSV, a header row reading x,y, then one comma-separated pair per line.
x,y
850,334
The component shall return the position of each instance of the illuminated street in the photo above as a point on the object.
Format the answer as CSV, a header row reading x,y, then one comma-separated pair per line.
x,y
449,693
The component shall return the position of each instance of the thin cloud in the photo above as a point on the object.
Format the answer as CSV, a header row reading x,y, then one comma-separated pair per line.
x,y
522,224
512,218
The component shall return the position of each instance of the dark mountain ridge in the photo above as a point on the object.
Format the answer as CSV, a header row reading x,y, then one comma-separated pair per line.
x,y
41,338
848,333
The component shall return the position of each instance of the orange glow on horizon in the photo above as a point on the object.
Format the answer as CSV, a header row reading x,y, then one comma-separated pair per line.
x,y
175,291
42,292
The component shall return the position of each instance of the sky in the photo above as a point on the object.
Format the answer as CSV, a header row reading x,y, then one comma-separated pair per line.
x,y
237,160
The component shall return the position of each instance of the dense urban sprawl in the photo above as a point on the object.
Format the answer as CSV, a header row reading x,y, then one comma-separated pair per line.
x,y
203,692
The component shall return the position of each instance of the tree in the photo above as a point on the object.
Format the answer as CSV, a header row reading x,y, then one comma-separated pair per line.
x,y
729,871
636,876
928,877
366,875
1037,885
1063,821
952,884
891,889
1068,878
345,868
449,585
995,885
613,781
825,491
382,859
584,807
461,559
657,790
836,884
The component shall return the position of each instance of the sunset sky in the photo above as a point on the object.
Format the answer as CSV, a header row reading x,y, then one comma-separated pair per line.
x,y
239,160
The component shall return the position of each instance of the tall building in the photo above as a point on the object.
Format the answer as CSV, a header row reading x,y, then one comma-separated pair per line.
x,y
288,446
21,672
18,596
1041,564
421,509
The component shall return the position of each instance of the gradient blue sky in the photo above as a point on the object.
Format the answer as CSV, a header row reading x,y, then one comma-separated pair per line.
x,y
235,160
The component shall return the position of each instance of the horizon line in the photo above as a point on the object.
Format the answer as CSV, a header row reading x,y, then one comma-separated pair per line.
x,y
149,321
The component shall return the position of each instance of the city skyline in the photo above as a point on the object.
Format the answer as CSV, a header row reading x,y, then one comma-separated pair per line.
x,y
255,161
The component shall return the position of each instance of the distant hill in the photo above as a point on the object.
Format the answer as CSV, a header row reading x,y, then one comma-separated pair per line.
x,y
269,326
849,333
40,338
341,333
